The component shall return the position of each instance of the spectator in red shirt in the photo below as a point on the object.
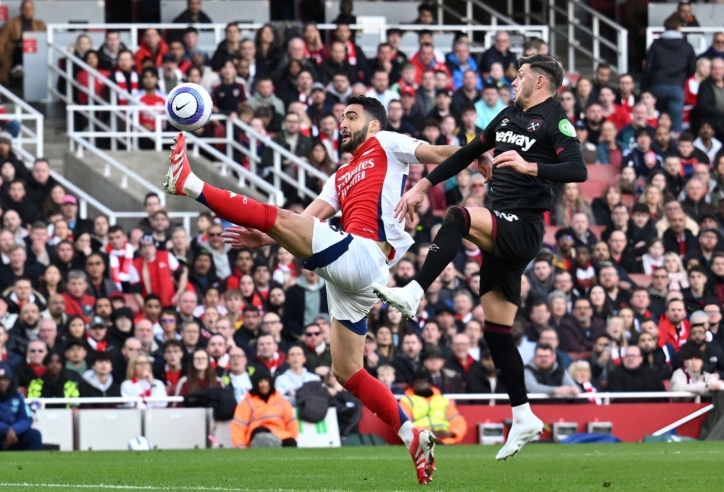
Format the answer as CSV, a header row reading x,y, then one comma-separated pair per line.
x,y
169,370
673,325
150,96
99,88
425,59
152,46
77,302
615,113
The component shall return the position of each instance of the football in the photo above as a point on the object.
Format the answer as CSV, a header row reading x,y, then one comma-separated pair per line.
x,y
139,443
188,107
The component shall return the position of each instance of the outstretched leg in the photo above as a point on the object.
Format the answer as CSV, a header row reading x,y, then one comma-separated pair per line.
x,y
480,227
292,231
475,224
347,365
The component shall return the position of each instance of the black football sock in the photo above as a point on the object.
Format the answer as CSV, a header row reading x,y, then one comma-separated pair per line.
x,y
446,246
507,360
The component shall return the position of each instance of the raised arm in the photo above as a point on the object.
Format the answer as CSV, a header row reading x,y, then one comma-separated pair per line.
x,y
434,154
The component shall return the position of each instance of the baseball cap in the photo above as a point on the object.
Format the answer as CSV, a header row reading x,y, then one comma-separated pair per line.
x,y
116,295
423,375
96,321
124,312
6,137
580,125
443,91
5,371
68,199
407,91
147,239
317,86
168,57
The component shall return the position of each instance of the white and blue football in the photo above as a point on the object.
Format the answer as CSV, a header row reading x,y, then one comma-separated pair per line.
x,y
139,443
189,107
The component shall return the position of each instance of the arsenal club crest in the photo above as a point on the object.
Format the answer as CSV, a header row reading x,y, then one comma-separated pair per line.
x,y
535,124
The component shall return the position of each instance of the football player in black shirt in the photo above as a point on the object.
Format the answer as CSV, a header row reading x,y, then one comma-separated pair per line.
x,y
535,144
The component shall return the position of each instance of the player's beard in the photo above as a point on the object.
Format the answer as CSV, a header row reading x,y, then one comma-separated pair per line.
x,y
355,140
523,95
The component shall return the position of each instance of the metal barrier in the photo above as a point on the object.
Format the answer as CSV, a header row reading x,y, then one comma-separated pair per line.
x,y
606,397
581,39
23,112
698,37
124,131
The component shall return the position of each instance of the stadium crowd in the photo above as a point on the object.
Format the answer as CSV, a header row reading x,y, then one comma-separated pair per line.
x,y
626,294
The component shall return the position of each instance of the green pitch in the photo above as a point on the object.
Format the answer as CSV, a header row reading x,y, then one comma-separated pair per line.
x,y
539,467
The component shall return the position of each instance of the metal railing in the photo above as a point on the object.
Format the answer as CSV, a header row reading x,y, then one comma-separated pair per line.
x,y
582,30
121,125
24,113
698,37
605,397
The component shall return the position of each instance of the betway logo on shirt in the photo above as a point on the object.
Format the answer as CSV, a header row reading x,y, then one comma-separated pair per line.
x,y
515,139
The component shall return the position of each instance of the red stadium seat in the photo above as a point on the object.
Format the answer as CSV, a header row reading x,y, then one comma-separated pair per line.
x,y
597,230
573,78
628,200
592,189
550,235
602,172
641,279
580,355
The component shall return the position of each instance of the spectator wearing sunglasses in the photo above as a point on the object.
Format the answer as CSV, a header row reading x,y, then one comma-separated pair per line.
x,y
316,350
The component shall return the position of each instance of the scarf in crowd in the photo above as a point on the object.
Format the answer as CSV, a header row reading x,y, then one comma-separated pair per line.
x,y
586,276
101,346
588,388
139,388
331,144
120,262
315,55
122,82
351,53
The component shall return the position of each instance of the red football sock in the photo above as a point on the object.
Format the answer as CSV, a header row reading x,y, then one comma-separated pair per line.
x,y
238,209
377,397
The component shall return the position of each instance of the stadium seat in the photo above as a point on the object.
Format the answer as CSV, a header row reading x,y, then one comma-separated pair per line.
x,y
641,279
550,233
580,355
597,230
592,189
628,200
602,172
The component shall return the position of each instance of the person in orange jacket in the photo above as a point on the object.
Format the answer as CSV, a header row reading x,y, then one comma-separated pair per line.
x,y
263,411
427,408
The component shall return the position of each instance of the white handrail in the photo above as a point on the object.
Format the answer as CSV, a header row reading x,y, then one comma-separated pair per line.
x,y
698,37
642,395
25,112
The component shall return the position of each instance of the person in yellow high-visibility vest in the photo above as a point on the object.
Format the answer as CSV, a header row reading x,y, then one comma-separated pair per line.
x,y
427,408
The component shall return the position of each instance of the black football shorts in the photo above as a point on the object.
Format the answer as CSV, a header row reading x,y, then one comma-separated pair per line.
x,y
518,239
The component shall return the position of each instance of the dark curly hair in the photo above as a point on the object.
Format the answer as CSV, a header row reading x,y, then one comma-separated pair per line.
x,y
374,110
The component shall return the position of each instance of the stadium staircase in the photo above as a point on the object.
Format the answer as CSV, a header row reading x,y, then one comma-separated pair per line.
x,y
580,36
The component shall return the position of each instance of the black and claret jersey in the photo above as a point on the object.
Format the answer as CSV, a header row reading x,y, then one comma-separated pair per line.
x,y
543,135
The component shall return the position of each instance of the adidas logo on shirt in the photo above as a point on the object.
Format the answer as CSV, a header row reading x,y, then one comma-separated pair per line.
x,y
515,139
